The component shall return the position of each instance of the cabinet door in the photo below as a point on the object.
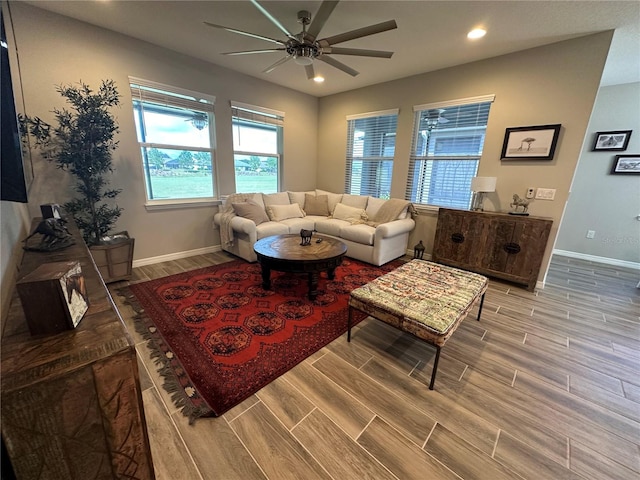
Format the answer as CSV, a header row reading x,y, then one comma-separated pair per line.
x,y
459,236
515,247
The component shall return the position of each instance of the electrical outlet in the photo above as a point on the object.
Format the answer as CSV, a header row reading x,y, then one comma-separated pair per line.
x,y
546,193
531,191
591,233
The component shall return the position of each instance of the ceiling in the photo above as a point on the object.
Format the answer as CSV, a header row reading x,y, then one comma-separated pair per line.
x,y
431,35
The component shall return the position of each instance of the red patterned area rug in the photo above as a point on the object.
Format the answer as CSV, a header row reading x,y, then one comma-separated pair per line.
x,y
219,337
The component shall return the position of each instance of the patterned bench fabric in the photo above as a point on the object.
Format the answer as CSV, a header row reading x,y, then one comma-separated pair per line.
x,y
423,298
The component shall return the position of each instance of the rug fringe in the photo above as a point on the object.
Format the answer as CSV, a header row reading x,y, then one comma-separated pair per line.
x,y
171,384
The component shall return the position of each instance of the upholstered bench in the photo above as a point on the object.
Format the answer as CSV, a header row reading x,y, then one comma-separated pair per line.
x,y
425,299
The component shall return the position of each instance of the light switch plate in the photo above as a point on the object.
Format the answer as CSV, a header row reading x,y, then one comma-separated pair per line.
x,y
546,193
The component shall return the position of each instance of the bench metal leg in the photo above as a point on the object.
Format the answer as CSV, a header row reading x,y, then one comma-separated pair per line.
x,y
435,368
349,324
480,309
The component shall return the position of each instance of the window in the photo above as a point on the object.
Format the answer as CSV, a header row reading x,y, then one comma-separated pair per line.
x,y
447,145
257,148
176,141
371,144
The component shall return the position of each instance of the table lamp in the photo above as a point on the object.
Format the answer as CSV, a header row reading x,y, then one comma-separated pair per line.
x,y
480,185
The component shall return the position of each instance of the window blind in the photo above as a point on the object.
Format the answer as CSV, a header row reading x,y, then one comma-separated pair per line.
x,y
151,92
448,139
371,142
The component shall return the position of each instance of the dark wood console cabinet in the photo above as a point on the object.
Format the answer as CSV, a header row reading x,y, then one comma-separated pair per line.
x,y
71,401
499,245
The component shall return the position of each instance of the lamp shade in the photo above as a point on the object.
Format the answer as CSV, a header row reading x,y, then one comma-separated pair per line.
x,y
483,184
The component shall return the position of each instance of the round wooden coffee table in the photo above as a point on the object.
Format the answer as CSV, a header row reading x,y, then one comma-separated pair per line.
x,y
285,254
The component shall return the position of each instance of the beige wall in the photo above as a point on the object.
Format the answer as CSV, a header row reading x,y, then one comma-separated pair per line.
x,y
546,85
57,50
551,84
599,201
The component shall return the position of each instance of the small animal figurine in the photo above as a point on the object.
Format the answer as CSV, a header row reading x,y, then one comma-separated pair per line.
x,y
519,202
55,235
305,235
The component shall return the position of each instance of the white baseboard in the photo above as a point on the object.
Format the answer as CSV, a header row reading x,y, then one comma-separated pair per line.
x,y
594,258
175,256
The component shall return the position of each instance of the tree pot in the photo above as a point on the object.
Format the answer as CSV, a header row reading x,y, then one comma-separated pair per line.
x,y
114,257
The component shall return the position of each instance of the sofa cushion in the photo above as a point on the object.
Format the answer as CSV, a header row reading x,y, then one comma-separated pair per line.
x,y
330,226
358,201
250,210
334,198
296,224
316,205
267,229
350,214
363,234
373,205
278,213
280,198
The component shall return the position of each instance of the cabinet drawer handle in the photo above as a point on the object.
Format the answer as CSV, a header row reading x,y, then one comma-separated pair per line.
x,y
511,248
457,238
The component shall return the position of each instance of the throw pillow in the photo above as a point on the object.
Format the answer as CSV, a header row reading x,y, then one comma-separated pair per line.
x,y
250,210
373,205
334,198
350,214
278,213
316,205
298,197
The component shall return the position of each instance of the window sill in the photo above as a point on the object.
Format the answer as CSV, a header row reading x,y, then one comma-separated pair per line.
x,y
178,204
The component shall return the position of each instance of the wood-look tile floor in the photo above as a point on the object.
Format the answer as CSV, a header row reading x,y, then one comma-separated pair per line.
x,y
545,386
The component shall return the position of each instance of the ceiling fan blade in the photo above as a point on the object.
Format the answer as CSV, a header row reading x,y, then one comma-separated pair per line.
x,y
273,19
358,33
357,51
249,52
277,64
310,72
248,34
338,65
320,18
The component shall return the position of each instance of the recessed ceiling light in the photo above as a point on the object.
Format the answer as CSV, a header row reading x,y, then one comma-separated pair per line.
x,y
318,79
476,33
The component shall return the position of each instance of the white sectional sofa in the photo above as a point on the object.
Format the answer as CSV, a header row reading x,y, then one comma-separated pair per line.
x,y
375,231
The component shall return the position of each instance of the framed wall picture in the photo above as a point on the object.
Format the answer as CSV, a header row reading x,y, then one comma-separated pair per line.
x,y
530,143
610,141
626,164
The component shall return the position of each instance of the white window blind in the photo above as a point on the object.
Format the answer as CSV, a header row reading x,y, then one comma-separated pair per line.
x,y
448,138
257,147
371,143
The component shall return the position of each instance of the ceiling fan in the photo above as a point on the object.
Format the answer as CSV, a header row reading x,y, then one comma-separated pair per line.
x,y
305,47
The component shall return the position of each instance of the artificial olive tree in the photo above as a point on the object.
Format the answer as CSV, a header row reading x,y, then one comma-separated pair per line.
x,y
82,143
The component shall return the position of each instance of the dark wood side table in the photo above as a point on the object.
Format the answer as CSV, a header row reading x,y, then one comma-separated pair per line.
x,y
285,254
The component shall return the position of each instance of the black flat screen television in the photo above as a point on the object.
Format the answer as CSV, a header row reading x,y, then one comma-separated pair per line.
x,y
13,187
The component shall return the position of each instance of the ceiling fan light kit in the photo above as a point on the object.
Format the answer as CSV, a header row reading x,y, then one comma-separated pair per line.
x,y
304,47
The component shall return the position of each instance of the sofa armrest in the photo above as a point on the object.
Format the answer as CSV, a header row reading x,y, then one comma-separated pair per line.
x,y
395,228
239,224
243,225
